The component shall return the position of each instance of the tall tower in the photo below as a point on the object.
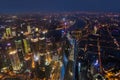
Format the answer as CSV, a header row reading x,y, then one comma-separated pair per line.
x,y
35,45
19,48
95,29
29,29
8,32
26,46
13,56
35,48
34,42
15,61
13,32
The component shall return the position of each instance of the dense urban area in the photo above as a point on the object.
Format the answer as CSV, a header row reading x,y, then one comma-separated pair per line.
x,y
60,46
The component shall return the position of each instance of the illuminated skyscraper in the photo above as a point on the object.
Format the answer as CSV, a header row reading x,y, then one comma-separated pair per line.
x,y
35,45
13,32
29,28
26,46
15,61
19,48
8,32
35,49
13,57
18,44
34,42
95,29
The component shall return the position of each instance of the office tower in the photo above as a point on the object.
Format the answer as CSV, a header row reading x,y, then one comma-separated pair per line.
x,y
18,44
35,49
34,43
13,57
15,61
26,46
8,32
4,36
19,48
95,29
13,32
29,29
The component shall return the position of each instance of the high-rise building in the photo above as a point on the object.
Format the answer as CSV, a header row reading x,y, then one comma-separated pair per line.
x,y
4,36
8,32
29,28
18,44
35,45
35,50
15,61
95,29
19,48
13,32
26,46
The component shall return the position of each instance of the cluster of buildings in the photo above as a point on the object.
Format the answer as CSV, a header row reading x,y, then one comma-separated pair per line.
x,y
64,46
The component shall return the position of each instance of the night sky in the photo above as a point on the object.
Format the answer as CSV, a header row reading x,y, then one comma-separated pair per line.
x,y
15,6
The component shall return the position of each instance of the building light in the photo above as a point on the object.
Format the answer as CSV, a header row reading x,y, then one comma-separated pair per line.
x,y
34,40
36,57
36,29
13,52
42,38
8,44
22,32
96,63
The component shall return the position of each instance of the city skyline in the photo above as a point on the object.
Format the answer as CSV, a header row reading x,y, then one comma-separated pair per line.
x,y
22,6
60,46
